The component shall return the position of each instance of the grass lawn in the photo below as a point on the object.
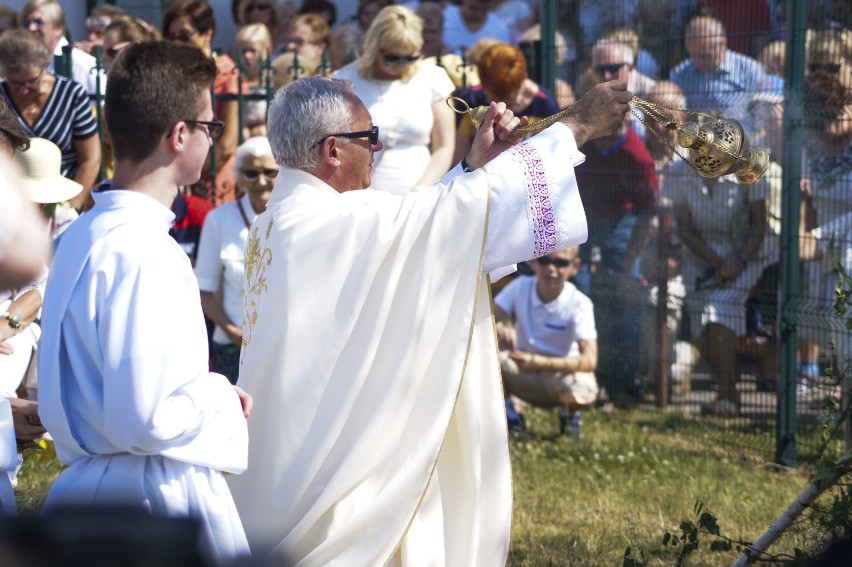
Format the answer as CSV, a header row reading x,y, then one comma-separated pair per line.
x,y
628,481
581,503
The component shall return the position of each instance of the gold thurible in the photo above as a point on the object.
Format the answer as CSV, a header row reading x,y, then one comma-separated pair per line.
x,y
717,146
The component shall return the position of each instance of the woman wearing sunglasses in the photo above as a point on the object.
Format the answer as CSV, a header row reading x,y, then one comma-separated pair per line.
x,y
192,22
220,265
406,99
264,12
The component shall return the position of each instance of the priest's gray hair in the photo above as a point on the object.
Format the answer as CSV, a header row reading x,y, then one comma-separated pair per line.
x,y
304,112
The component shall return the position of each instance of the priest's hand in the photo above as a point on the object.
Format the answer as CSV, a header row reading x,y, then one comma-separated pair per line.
x,y
25,419
246,401
494,135
599,112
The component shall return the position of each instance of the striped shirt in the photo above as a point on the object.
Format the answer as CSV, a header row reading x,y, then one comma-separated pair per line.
x,y
66,117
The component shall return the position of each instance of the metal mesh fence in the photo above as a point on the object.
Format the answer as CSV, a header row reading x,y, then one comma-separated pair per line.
x,y
690,276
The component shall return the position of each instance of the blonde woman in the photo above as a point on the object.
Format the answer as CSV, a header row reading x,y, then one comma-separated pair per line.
x,y
253,44
406,98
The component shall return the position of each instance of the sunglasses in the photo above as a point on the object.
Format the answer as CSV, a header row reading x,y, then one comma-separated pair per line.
x,y
399,59
257,8
182,36
97,22
214,128
372,134
558,262
611,69
27,23
830,68
254,174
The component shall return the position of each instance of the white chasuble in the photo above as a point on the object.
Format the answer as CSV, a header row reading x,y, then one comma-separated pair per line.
x,y
124,386
378,434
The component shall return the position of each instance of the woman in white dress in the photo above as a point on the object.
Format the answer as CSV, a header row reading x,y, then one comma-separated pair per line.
x,y
406,98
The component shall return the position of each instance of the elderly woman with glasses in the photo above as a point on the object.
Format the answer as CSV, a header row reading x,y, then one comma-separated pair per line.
x,y
192,22
220,266
52,107
406,99
307,35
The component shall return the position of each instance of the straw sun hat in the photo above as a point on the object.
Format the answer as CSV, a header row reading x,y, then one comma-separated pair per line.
x,y
41,179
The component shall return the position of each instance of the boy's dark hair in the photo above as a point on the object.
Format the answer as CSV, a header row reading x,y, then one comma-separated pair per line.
x,y
152,86
198,12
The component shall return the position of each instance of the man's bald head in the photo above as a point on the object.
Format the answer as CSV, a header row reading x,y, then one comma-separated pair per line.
x,y
706,43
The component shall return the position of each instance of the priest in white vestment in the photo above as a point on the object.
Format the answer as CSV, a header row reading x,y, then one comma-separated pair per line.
x,y
124,385
379,434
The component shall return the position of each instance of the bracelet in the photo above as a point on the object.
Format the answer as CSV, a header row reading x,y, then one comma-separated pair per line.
x,y
14,320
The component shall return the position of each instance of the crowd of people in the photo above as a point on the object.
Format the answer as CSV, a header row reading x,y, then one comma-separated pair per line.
x,y
212,260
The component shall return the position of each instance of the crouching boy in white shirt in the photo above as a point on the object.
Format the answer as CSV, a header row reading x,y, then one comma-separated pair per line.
x,y
548,342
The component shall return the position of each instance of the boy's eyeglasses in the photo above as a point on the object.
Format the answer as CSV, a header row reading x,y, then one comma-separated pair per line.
x,y
558,262
399,59
214,127
29,23
254,174
372,134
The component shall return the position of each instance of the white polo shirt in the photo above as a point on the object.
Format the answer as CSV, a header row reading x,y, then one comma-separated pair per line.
x,y
553,328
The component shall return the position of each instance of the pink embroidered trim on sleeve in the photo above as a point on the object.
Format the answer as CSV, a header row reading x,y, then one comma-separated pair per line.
x,y
540,205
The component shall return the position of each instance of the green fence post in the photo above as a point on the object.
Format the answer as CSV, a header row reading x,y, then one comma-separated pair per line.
x,y
62,63
793,122
211,195
463,68
241,74
548,45
99,108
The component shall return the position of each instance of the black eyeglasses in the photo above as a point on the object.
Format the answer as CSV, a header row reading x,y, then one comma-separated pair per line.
x,y
214,127
182,36
27,23
558,262
372,134
391,59
611,69
830,68
257,8
254,174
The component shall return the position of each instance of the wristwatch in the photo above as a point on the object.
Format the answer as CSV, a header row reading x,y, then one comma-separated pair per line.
x,y
14,320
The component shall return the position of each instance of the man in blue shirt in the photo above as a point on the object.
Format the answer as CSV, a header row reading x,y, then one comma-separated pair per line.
x,y
714,78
